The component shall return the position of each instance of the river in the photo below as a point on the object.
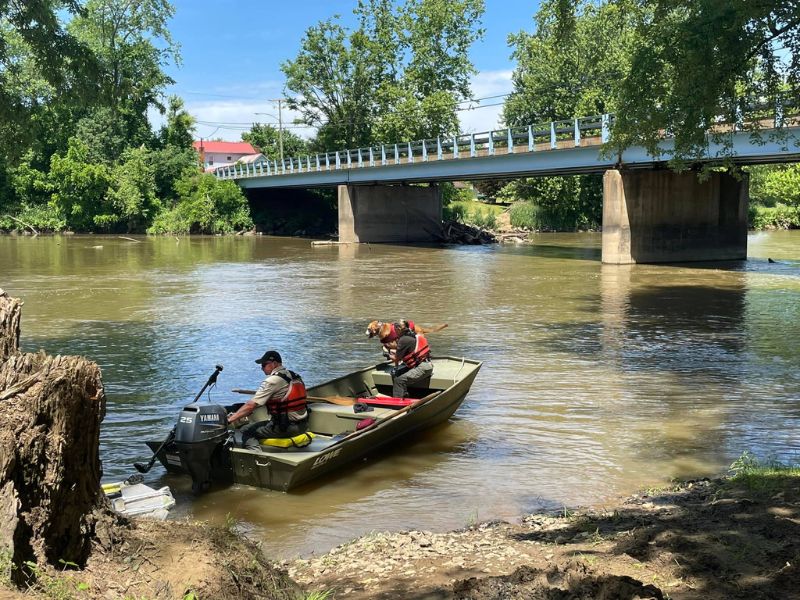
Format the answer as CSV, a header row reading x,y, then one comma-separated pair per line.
x,y
597,380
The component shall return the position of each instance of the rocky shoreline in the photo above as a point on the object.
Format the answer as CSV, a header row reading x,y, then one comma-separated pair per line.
x,y
710,539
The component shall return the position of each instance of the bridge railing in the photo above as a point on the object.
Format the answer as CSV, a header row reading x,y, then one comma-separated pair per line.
x,y
752,112
532,138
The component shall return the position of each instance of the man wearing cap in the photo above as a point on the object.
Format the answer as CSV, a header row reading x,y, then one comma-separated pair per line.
x,y
278,406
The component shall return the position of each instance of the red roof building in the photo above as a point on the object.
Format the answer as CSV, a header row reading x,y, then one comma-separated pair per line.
x,y
214,154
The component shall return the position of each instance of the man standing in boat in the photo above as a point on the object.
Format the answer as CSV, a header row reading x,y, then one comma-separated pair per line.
x,y
278,406
414,354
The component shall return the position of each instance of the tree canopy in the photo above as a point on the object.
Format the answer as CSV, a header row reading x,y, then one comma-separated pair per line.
x,y
400,75
676,66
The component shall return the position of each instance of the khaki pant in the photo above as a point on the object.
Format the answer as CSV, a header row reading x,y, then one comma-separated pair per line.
x,y
401,382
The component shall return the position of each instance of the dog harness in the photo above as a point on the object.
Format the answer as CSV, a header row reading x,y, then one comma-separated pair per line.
x,y
393,334
422,352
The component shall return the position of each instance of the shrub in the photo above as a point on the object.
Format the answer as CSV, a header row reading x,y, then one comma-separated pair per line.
x,y
205,205
482,218
454,212
524,215
779,216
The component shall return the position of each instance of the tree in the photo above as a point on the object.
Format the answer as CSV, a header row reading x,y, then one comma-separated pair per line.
x,y
399,76
266,139
178,131
693,62
572,69
80,188
132,45
39,62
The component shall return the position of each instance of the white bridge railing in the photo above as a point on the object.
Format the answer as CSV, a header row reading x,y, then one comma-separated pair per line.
x,y
549,136
555,135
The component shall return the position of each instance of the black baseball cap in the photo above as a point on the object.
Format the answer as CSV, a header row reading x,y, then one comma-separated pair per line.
x,y
268,356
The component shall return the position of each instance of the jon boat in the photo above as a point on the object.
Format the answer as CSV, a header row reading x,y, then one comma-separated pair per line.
x,y
201,444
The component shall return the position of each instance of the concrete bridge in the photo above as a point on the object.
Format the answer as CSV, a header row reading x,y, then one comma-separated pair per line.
x,y
650,214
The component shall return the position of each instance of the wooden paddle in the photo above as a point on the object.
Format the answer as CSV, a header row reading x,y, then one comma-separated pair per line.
x,y
340,400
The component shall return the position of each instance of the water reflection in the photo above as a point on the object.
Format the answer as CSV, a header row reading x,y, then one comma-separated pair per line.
x,y
597,380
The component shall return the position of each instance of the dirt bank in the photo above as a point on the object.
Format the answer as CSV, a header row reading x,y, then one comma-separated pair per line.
x,y
718,539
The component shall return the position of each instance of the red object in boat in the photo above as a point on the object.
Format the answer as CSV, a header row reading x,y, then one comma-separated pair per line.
x,y
386,402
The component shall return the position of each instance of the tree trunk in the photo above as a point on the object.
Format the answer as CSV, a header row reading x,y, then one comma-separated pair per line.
x,y
50,414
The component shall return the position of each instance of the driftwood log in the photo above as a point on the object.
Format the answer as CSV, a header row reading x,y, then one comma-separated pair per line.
x,y
454,232
50,414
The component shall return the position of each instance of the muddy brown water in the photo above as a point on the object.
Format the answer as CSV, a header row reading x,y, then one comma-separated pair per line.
x,y
597,380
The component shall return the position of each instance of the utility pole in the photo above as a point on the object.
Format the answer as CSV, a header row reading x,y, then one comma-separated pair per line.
x,y
280,127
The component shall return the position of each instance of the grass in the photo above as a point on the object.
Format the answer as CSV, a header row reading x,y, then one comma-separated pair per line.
x,y
763,477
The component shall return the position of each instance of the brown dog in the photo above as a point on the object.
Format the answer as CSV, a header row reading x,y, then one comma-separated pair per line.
x,y
387,333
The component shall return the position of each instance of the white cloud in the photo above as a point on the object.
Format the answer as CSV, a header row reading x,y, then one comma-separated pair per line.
x,y
492,87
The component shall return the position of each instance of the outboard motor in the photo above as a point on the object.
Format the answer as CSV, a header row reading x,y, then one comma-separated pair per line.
x,y
200,437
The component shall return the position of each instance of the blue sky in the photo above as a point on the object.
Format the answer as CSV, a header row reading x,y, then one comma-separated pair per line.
x,y
232,51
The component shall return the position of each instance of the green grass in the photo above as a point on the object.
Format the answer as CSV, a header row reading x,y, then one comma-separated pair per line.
x,y
763,477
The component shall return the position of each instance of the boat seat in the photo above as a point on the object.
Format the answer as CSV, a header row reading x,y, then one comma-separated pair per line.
x,y
434,383
333,419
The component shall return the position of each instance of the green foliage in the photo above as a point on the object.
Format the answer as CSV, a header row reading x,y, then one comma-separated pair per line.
x,y
178,132
169,166
557,203
569,71
267,139
39,60
762,477
481,217
80,189
773,184
398,76
450,193
6,567
205,205
693,61
779,216
60,586
133,192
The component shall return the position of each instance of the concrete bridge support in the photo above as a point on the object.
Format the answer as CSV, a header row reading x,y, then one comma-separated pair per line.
x,y
389,213
662,216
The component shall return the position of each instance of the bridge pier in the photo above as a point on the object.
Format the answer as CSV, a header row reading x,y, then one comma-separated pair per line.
x,y
663,216
389,213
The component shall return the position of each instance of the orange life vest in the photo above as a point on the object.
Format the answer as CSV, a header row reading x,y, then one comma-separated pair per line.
x,y
421,352
295,398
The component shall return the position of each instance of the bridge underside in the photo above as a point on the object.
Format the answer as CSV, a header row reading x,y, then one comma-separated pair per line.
x,y
662,216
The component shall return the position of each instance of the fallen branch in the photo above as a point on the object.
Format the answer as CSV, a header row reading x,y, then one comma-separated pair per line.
x,y
122,237
21,222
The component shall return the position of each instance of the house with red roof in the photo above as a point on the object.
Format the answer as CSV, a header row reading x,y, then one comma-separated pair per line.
x,y
216,154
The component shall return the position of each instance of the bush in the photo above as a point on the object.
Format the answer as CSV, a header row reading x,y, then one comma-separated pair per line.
x,y
779,216
454,212
524,215
205,205
482,218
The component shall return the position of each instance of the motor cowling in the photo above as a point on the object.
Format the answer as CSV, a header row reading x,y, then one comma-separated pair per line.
x,y
200,435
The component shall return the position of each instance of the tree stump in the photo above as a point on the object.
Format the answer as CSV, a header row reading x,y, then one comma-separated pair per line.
x,y
10,312
50,414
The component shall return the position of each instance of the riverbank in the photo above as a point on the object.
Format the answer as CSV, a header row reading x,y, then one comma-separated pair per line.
x,y
727,538
712,539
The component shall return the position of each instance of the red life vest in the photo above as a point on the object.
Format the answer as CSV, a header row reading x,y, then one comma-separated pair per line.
x,y
393,334
295,398
421,352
